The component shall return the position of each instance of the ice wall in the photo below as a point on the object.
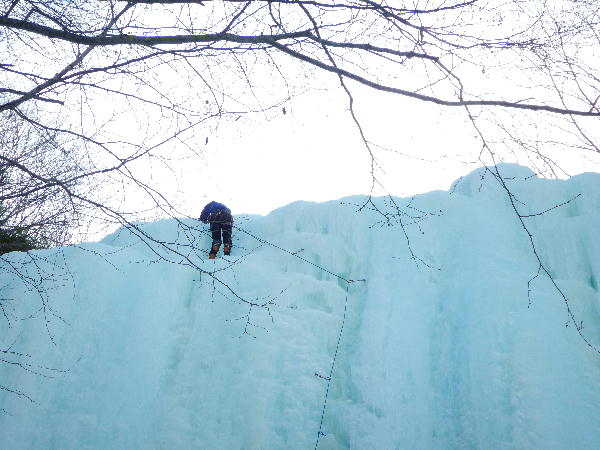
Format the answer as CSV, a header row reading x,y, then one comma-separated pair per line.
x,y
450,342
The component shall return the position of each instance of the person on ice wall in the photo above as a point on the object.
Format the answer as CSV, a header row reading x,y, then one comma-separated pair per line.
x,y
221,221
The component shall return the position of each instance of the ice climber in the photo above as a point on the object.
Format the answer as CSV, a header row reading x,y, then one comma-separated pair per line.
x,y
220,219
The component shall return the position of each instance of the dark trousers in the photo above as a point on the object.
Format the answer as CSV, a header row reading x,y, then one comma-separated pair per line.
x,y
218,228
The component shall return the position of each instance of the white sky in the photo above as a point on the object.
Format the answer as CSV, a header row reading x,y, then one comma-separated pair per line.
x,y
314,152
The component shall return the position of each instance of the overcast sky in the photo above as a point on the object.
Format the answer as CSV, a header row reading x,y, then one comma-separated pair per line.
x,y
314,152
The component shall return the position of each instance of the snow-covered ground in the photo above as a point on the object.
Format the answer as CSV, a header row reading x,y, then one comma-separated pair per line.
x,y
447,339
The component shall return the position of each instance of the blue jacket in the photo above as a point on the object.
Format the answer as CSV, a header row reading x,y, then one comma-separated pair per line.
x,y
212,209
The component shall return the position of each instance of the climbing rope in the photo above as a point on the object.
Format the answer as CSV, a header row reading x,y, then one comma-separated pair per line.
x,y
337,347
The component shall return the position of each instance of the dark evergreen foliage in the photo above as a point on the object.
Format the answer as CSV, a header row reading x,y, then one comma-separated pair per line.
x,y
15,240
